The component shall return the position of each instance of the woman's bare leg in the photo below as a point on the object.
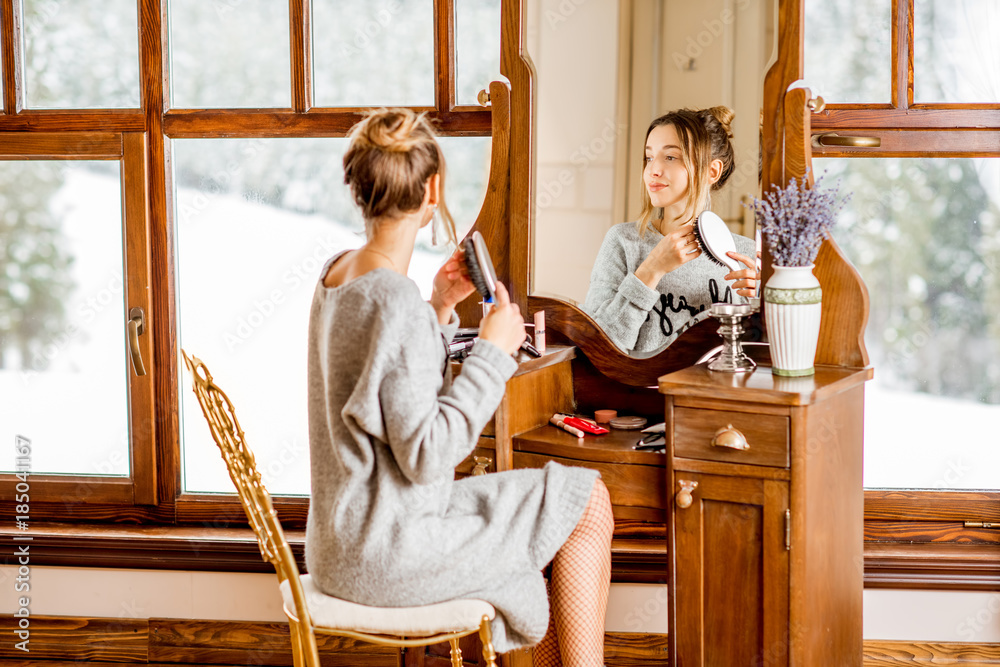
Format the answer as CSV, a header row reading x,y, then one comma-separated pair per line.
x,y
581,575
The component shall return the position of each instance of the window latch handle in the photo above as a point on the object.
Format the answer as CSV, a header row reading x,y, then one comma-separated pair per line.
x,y
136,327
834,139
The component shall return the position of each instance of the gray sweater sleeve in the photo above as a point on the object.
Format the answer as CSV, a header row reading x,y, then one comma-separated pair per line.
x,y
430,426
617,300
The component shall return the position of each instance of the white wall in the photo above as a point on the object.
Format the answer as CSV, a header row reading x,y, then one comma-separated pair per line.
x,y
574,47
926,616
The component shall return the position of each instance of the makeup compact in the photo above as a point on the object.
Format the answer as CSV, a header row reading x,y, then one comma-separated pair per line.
x,y
715,239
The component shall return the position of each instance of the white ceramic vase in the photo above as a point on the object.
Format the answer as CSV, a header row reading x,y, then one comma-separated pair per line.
x,y
792,308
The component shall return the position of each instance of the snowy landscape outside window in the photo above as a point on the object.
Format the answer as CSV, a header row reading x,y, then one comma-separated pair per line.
x,y
373,53
80,54
956,54
61,305
477,46
222,55
847,50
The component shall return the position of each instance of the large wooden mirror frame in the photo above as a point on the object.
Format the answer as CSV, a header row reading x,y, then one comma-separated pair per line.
x,y
507,222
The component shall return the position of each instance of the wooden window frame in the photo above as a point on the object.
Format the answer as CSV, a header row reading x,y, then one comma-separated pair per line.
x,y
918,517
154,495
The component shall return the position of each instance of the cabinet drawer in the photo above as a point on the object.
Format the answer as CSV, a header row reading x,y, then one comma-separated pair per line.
x,y
766,435
633,486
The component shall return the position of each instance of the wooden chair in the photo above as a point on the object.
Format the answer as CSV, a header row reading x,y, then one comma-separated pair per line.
x,y
309,610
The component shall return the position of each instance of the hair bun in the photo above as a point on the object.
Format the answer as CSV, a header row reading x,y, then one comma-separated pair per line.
x,y
390,130
724,115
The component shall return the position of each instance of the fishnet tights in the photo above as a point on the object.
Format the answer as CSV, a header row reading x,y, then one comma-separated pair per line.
x,y
581,574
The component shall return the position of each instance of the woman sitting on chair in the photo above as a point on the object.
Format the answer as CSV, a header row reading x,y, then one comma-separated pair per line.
x,y
388,525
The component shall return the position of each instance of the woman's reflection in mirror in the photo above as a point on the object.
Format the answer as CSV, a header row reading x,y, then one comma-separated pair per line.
x,y
651,277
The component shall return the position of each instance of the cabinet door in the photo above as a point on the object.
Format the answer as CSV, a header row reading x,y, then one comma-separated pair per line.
x,y
729,572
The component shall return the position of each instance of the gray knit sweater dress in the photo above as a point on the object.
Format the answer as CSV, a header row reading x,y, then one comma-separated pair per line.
x,y
388,524
638,318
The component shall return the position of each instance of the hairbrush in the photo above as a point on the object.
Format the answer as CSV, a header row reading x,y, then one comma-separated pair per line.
x,y
479,264
715,239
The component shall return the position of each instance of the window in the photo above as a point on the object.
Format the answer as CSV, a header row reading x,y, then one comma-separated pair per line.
x,y
153,169
73,265
921,229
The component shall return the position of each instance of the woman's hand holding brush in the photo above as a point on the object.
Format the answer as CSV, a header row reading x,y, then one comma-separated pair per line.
x,y
503,325
677,247
451,287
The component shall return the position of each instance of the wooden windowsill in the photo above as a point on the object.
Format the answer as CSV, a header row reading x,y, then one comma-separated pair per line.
x,y
148,547
947,566
887,565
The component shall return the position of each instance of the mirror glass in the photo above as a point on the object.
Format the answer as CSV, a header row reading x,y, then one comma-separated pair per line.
x,y
604,70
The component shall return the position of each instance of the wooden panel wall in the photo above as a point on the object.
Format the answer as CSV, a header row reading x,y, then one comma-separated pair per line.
x,y
59,641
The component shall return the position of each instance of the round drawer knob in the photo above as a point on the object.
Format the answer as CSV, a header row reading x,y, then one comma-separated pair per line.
x,y
730,438
685,496
482,465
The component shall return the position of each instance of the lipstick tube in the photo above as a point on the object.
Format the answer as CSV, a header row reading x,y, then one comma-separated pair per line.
x,y
540,331
556,420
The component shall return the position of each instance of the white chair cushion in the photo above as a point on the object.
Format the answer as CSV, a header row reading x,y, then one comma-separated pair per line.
x,y
336,614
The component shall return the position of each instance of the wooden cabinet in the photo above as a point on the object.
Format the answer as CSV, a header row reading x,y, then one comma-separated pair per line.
x,y
730,593
764,517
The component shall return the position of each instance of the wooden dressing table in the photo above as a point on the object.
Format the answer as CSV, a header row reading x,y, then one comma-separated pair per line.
x,y
760,547
759,542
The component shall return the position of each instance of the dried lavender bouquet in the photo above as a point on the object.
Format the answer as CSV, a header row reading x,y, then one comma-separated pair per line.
x,y
795,219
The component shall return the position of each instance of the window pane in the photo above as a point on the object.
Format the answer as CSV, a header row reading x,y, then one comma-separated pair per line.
x,y
373,53
256,220
63,359
81,54
229,54
925,234
956,55
477,45
848,55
